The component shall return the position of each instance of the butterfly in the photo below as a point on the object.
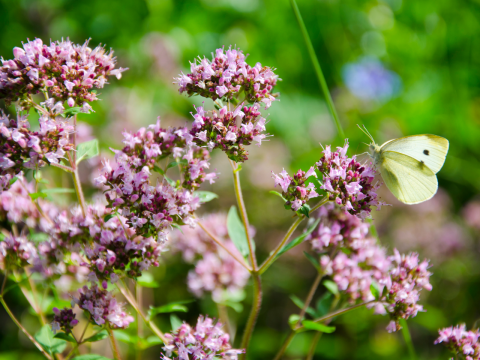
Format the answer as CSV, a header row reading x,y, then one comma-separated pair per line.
x,y
408,165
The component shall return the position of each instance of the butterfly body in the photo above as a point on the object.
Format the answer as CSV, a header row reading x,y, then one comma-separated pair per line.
x,y
408,165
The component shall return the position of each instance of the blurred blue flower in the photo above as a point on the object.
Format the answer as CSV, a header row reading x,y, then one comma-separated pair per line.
x,y
368,79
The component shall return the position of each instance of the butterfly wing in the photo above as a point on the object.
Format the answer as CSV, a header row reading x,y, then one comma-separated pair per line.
x,y
410,180
431,149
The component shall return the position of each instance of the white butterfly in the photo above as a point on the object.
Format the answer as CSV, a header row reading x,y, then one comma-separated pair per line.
x,y
408,165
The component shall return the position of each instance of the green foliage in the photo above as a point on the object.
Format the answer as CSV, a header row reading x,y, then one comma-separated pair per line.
x,y
236,231
87,150
48,341
310,325
103,334
205,196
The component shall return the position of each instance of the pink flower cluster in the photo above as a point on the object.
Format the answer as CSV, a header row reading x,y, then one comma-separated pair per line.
x,y
152,209
460,341
22,148
355,262
215,271
207,341
16,252
102,307
408,276
66,71
219,129
295,191
347,182
228,75
63,320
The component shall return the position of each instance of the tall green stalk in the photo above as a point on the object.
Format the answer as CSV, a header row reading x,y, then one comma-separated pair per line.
x,y
317,68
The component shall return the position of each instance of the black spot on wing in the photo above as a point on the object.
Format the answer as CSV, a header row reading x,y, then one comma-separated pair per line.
x,y
426,152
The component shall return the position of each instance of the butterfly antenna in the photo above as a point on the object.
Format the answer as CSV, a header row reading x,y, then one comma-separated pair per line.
x,y
365,131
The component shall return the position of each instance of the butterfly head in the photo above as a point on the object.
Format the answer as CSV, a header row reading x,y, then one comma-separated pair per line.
x,y
373,148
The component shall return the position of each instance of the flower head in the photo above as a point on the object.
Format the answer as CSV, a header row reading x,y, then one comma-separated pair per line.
x,y
226,75
206,340
460,341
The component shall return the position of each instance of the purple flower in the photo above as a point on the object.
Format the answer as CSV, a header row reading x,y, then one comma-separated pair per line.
x,y
347,182
103,307
67,71
63,320
295,191
226,75
206,341
461,342
368,79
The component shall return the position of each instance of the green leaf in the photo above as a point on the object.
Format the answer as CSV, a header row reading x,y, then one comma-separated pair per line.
x,y
317,183
90,357
298,240
108,217
46,338
205,196
72,111
236,231
172,307
158,170
37,195
318,326
293,320
278,194
375,290
301,304
98,336
304,210
65,337
324,304
87,150
13,180
123,336
331,286
239,168
58,191
147,280
238,307
176,163
313,260
170,181
175,322
152,341
38,237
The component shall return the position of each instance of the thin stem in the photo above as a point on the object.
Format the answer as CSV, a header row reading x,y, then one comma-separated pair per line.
x,y
32,339
223,315
38,107
84,331
243,214
313,345
79,191
63,167
408,339
116,353
309,298
284,347
220,243
74,152
339,312
282,243
38,309
37,205
257,302
317,68
128,295
266,264
139,299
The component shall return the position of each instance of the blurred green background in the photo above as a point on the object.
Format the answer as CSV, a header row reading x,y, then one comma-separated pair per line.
x,y
400,68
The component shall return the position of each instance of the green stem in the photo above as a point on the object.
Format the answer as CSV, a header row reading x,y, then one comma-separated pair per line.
x,y
266,264
313,345
317,68
309,298
236,256
284,347
126,293
243,214
257,302
32,339
79,191
408,339
116,353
